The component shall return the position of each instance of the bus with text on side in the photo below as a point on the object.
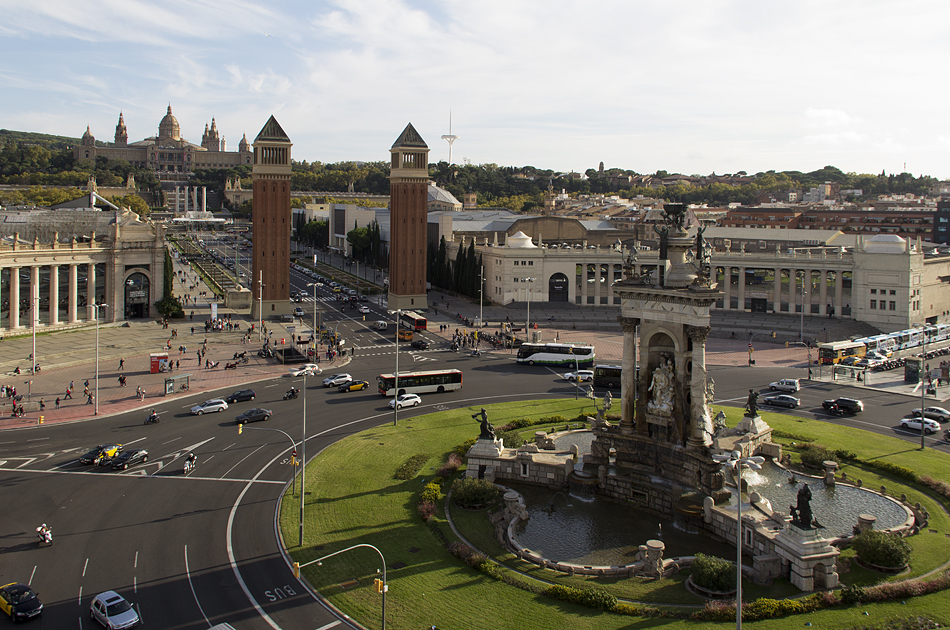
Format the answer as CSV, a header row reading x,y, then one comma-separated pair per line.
x,y
420,382
608,376
833,353
568,354
412,320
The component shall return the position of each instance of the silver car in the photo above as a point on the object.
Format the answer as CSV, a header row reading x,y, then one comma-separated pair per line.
x,y
209,406
113,611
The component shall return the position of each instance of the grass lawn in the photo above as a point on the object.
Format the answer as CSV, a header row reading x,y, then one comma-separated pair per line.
x,y
354,498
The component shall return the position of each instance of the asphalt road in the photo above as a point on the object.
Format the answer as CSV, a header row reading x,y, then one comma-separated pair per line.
x,y
195,550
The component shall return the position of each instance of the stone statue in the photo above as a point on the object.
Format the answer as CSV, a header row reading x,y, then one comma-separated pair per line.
x,y
608,400
661,403
752,404
710,390
702,255
487,430
801,513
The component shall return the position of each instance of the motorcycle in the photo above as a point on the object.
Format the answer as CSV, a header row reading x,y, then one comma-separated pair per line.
x,y
189,466
153,419
292,393
230,366
45,534
240,355
835,410
475,353
243,361
946,436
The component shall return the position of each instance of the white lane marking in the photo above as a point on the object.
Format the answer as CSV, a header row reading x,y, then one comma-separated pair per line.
x,y
229,446
135,585
30,583
29,460
84,567
37,439
135,565
141,618
13,442
69,463
242,459
208,459
193,593
332,624
80,596
155,476
170,441
134,441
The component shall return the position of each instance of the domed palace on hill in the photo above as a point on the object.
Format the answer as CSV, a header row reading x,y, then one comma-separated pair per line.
x,y
170,156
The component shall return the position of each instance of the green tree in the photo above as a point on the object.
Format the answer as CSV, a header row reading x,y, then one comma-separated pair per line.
x,y
169,305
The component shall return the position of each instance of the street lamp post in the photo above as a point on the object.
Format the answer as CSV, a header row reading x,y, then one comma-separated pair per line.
x,y
737,463
923,382
398,314
481,298
801,329
303,457
315,337
385,587
97,307
577,376
527,321
35,316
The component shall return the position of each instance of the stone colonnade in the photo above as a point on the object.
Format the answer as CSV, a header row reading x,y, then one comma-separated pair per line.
x,y
187,193
602,285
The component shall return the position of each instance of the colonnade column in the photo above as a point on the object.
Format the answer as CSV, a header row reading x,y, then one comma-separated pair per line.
x,y
839,289
628,380
53,295
583,284
34,295
598,276
90,290
807,279
700,427
73,297
741,289
823,292
14,298
777,291
727,289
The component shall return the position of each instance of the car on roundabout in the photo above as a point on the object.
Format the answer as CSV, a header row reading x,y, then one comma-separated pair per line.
x,y
299,312
309,369
913,424
420,344
934,413
336,380
782,400
20,602
101,454
113,611
405,400
580,376
240,396
129,458
353,386
786,385
214,405
844,405
363,309
253,415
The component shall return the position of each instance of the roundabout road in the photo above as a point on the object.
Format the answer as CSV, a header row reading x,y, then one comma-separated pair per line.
x,y
195,550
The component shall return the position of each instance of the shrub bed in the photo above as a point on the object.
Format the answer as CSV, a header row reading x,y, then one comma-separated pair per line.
x,y
469,492
883,549
412,466
714,574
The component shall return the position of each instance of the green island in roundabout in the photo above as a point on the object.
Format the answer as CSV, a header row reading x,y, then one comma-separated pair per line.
x,y
376,488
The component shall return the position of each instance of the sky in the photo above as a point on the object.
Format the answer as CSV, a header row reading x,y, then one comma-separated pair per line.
x,y
688,86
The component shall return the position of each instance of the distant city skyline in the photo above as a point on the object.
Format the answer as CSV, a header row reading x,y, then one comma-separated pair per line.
x,y
682,86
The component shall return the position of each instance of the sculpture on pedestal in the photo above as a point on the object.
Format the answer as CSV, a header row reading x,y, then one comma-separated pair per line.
x,y
487,430
752,404
801,513
661,403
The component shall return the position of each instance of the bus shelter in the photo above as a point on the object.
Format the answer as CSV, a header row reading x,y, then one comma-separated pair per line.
x,y
179,382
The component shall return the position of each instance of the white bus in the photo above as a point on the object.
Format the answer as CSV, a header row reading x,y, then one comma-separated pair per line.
x,y
420,382
567,354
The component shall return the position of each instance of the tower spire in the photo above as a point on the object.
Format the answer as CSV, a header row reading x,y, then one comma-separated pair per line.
x,y
449,137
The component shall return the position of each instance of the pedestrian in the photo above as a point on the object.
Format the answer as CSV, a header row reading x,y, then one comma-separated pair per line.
x,y
71,386
69,394
86,383
57,402
89,399
177,363
121,364
42,405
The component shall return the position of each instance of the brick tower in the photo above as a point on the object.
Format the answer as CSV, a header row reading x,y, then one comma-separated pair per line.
x,y
271,224
408,202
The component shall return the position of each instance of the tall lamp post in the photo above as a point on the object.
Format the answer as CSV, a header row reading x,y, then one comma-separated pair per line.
x,y
527,321
801,328
481,298
398,314
303,457
35,316
315,337
923,382
97,307
736,462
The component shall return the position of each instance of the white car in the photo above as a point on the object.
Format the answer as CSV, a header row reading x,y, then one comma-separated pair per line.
x,y
913,424
336,380
786,385
580,375
209,406
405,400
363,308
310,369
113,611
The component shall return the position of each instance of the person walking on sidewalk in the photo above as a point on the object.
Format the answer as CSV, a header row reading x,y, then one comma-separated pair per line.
x,y
69,394
57,402
89,399
121,364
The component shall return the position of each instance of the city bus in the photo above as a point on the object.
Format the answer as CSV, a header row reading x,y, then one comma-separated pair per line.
x,y
412,320
833,353
420,382
567,354
608,376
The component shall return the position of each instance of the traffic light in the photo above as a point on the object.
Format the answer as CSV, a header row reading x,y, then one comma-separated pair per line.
x,y
240,428
786,344
773,334
296,569
378,585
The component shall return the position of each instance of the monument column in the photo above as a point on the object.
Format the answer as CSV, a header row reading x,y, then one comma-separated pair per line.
x,y
700,429
742,289
823,292
598,277
727,288
628,380
73,297
90,290
54,295
34,296
808,283
14,298
839,289
777,290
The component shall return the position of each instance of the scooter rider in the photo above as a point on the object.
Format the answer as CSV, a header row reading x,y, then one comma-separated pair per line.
x,y
153,416
192,461
45,534
292,392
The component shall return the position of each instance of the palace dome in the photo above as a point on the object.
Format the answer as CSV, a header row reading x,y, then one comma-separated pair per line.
x,y
169,127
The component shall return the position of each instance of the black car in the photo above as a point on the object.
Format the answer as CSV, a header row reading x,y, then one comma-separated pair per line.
x,y
422,344
240,396
20,602
101,454
253,415
129,458
847,405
